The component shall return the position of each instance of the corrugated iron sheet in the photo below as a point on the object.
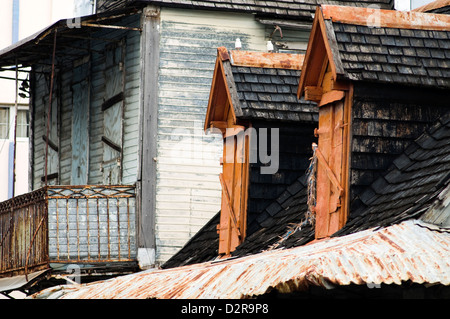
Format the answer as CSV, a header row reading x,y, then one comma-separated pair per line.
x,y
412,250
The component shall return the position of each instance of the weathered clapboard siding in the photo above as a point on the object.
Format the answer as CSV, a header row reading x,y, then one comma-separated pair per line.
x,y
38,128
40,109
188,189
132,102
293,40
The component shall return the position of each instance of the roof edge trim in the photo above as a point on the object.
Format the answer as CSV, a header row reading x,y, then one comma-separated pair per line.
x,y
377,18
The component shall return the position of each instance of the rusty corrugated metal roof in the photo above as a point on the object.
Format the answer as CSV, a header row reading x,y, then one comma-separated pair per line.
x,y
412,250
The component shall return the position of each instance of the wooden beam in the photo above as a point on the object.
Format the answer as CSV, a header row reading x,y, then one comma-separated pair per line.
x,y
219,124
222,53
146,201
49,177
331,47
346,160
313,93
267,60
211,107
386,18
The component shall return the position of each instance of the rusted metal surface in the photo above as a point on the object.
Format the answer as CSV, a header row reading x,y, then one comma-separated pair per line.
x,y
411,251
67,224
23,234
94,223
386,18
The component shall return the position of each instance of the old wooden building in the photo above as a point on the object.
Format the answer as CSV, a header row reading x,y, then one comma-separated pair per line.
x,y
122,174
369,216
381,161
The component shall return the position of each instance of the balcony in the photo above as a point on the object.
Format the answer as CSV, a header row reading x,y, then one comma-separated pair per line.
x,y
55,226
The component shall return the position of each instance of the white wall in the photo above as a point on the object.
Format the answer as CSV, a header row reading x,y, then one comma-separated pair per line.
x,y
188,191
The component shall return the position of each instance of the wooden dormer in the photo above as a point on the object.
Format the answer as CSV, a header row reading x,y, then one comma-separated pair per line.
x,y
377,90
319,83
252,91
221,116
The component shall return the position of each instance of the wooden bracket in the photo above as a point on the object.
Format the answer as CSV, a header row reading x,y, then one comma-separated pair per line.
x,y
313,93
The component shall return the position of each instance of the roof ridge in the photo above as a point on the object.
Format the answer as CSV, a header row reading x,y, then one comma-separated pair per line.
x,y
377,18
290,61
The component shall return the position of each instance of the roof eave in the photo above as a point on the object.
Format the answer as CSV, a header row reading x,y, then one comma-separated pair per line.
x,y
16,52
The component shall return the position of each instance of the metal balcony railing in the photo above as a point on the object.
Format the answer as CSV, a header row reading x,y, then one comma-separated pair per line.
x,y
67,224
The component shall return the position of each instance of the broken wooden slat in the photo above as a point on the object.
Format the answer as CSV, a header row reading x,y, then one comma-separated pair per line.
x,y
113,100
111,144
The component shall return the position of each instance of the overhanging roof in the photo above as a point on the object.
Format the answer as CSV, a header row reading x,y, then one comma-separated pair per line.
x,y
411,251
38,46
291,9
257,85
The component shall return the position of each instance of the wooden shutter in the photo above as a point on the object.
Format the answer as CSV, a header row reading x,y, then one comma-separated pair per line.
x,y
234,180
330,175
113,115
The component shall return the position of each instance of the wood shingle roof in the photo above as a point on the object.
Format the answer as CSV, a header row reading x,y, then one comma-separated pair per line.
x,y
290,9
271,94
394,55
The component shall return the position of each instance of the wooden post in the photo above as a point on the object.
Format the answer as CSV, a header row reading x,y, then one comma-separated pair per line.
x,y
147,146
